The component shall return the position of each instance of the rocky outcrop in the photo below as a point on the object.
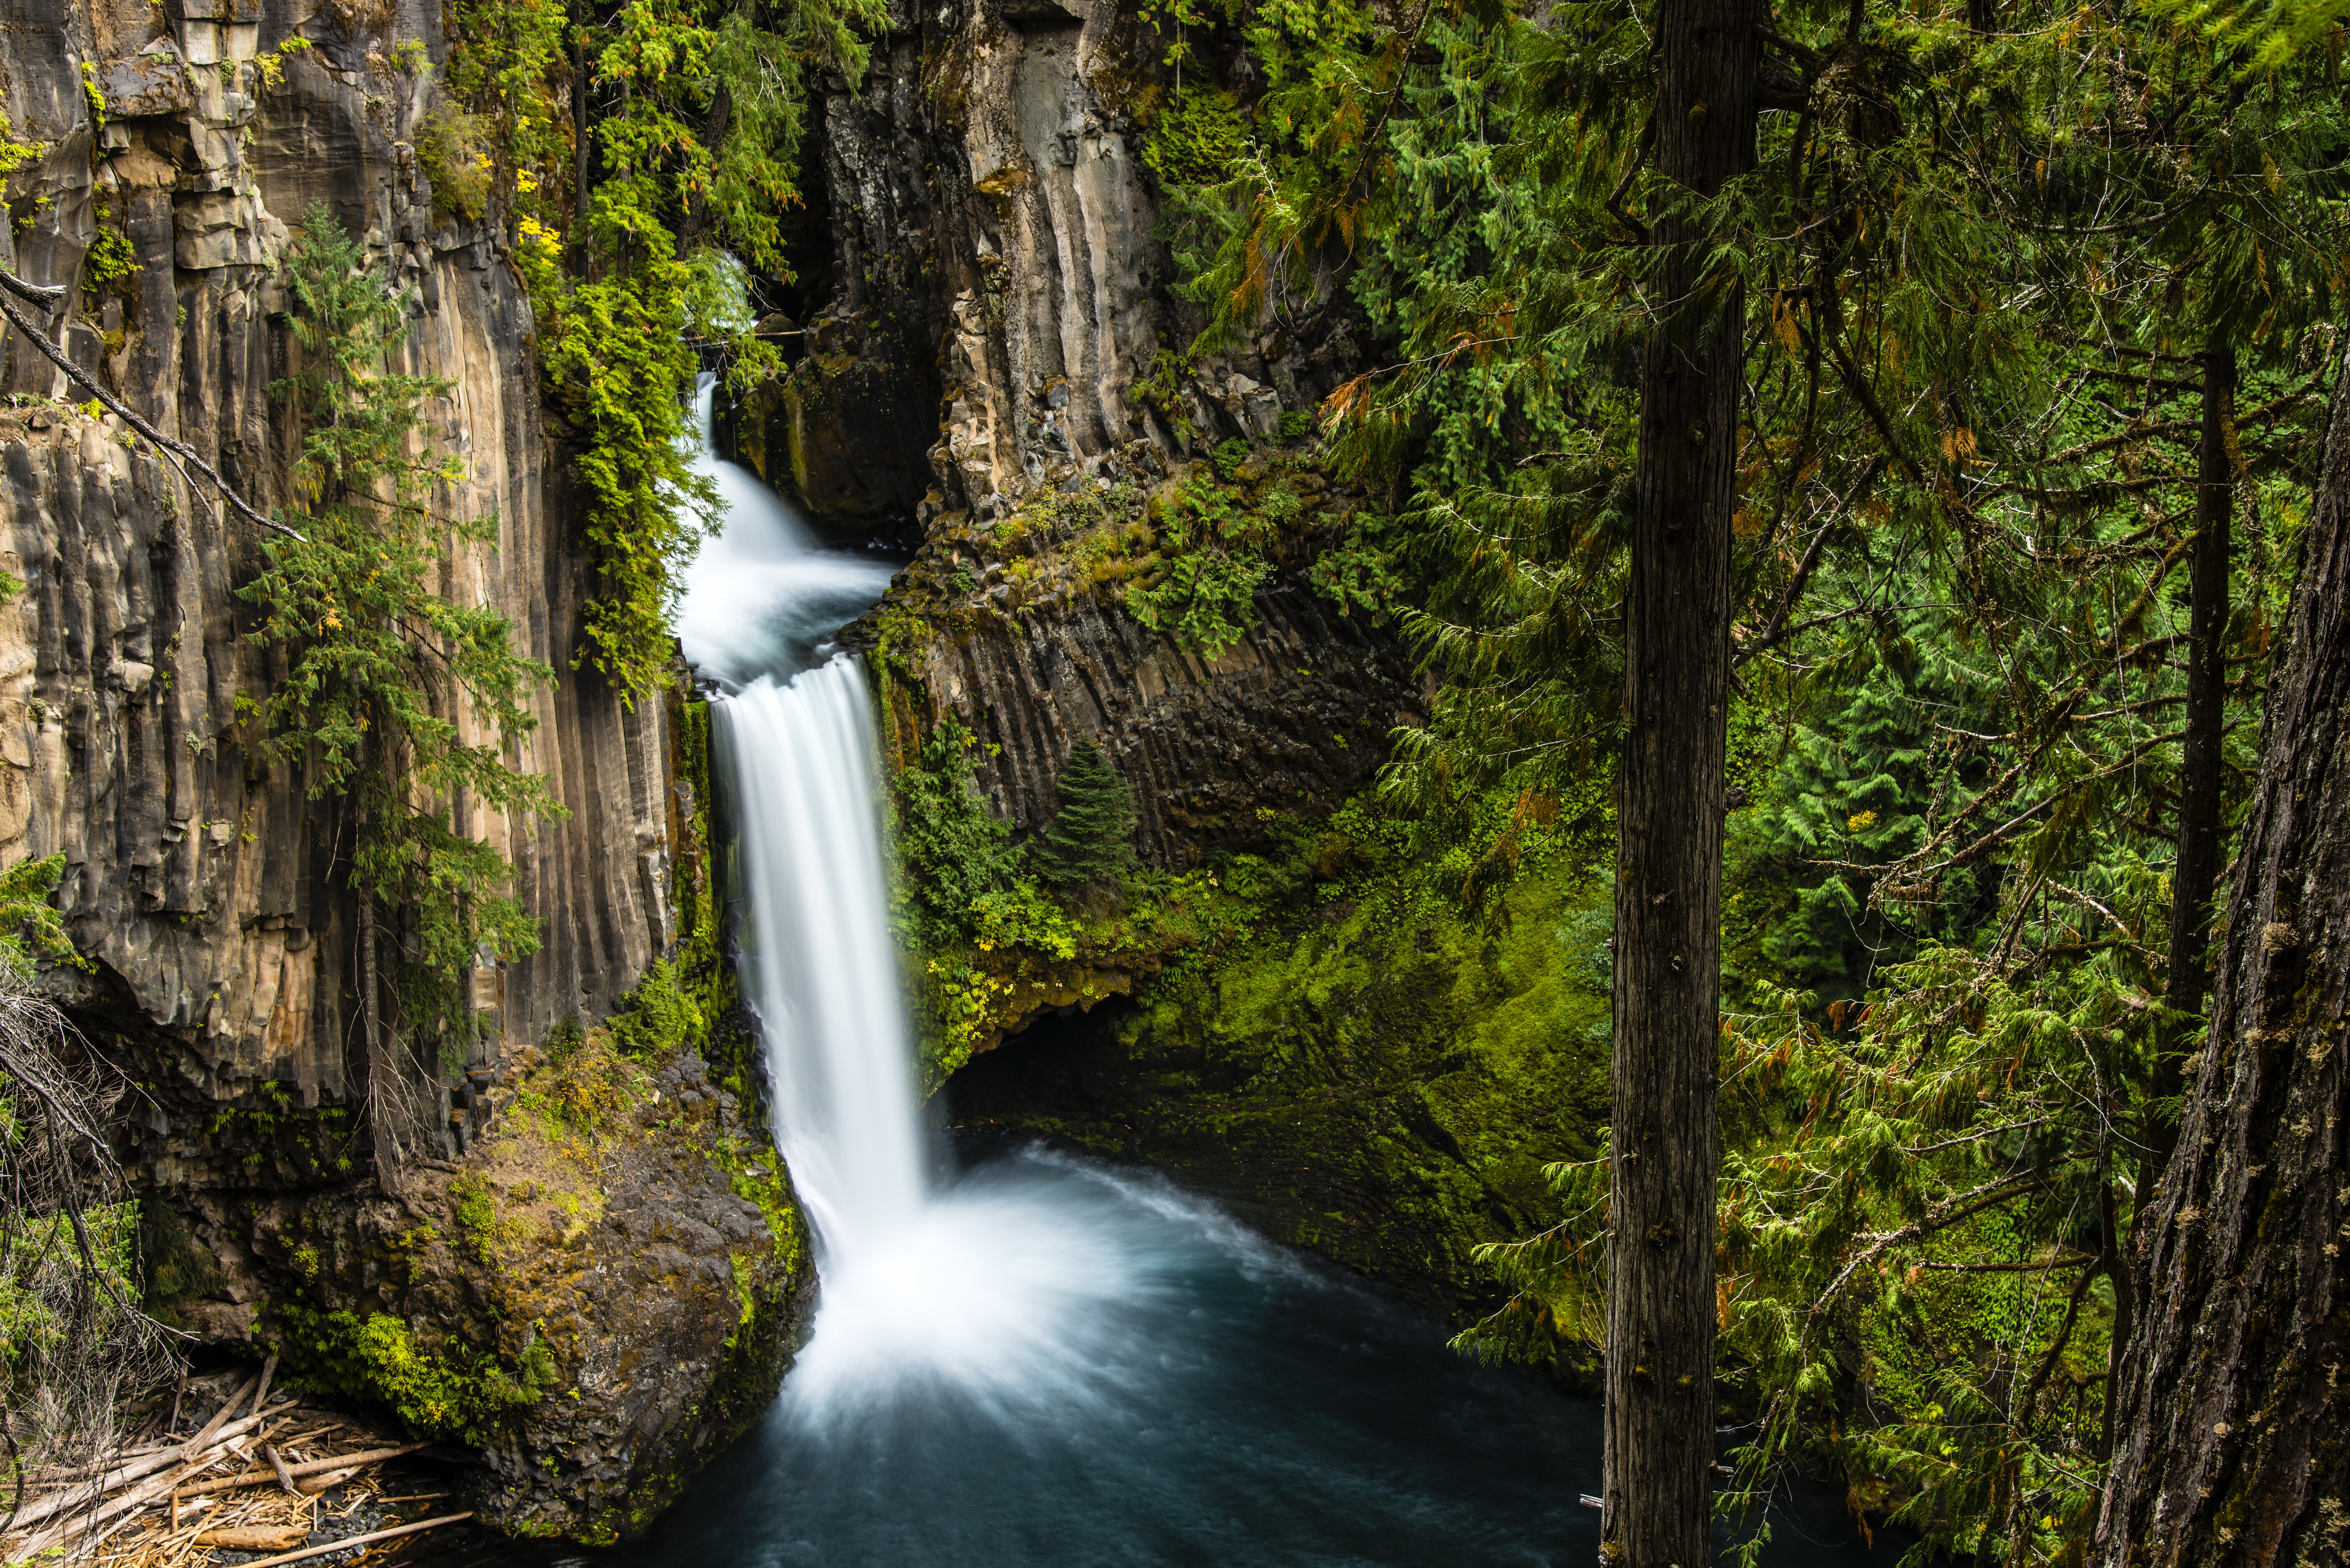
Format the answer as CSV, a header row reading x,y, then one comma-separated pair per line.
x,y
1000,323
995,246
598,1298
1291,717
197,872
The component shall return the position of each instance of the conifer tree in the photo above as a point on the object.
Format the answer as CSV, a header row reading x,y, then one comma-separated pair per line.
x,y
1090,842
393,700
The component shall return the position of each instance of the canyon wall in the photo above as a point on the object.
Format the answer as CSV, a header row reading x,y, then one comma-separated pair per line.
x,y
998,339
196,869
204,886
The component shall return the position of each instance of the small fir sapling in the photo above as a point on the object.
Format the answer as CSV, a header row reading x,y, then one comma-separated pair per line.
x,y
1088,845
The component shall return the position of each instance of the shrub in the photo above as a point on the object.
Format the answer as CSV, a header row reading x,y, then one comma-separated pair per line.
x,y
448,144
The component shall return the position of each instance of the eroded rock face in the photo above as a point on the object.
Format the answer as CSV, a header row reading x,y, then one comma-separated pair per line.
x,y
197,872
1291,717
995,252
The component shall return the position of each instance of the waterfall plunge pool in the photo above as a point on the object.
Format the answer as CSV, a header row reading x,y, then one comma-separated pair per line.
x,y
1067,1364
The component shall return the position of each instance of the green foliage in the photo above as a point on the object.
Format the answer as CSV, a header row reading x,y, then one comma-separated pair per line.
x,y
477,1219
660,1015
1373,1053
1363,570
1198,140
15,152
1858,782
452,145
951,852
395,701
1978,270
1089,843
110,257
1205,591
31,927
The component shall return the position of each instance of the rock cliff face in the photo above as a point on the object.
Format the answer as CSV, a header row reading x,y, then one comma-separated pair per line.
x,y
1000,336
178,144
197,872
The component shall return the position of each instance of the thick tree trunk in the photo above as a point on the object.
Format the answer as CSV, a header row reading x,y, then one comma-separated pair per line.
x,y
2234,1419
1661,1301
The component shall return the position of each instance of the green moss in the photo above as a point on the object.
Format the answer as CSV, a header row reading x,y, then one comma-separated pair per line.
x,y
1358,1058
438,1389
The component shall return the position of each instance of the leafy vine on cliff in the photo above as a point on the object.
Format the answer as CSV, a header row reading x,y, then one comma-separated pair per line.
x,y
633,218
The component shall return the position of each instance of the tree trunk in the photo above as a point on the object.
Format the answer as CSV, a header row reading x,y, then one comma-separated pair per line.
x,y
382,1133
2201,829
1660,1254
2234,1424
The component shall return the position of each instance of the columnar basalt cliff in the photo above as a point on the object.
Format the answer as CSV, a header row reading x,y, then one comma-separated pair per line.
x,y
196,870
202,882
996,254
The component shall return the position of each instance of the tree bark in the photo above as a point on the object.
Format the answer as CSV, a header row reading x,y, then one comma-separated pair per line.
x,y
1657,1500
2234,1424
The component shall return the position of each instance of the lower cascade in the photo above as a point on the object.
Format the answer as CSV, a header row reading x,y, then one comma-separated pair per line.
x,y
1026,1358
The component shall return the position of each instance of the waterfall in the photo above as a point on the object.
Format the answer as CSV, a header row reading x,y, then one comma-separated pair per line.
x,y
795,738
1036,1359
817,956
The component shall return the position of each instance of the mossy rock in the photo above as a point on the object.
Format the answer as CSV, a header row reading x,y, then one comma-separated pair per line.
x,y
602,1295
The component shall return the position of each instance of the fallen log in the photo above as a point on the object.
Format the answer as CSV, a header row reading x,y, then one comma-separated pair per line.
x,y
155,1488
367,1540
311,1486
214,1433
256,1538
307,1468
285,1476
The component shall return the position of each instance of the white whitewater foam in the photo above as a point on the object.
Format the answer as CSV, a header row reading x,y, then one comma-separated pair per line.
x,y
761,595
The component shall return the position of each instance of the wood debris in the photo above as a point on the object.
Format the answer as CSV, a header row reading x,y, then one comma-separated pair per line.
x,y
163,1501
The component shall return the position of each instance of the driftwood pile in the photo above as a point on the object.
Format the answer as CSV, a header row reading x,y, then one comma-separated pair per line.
x,y
250,1482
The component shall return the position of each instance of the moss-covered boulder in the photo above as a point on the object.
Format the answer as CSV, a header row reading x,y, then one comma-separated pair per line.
x,y
602,1295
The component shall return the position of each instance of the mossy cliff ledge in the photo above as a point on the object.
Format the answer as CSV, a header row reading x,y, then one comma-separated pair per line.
x,y
1354,1056
601,1295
